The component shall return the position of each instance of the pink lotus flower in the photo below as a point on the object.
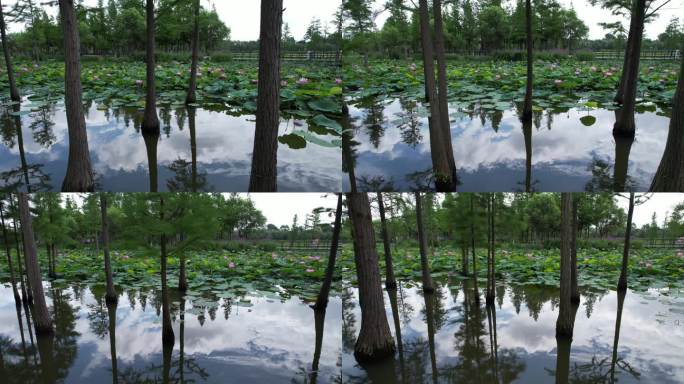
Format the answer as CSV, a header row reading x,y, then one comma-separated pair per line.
x,y
125,257
338,81
310,270
497,77
225,257
139,83
303,81
274,255
231,265
593,69
283,83
608,74
179,74
558,81
680,254
413,67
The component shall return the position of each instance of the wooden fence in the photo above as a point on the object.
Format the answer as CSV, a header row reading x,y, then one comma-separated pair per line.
x,y
328,58
645,55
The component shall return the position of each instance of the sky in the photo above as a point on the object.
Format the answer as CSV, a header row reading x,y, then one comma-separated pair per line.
x,y
280,208
242,16
594,15
660,203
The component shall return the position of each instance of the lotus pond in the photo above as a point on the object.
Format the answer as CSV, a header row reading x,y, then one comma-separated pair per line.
x,y
206,147
448,337
248,338
568,147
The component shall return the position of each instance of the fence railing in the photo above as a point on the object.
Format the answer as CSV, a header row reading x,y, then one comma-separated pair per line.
x,y
645,55
332,58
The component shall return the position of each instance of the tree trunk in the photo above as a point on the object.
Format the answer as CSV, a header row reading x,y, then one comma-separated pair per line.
x,y
168,338
375,341
111,312
150,121
428,285
265,154
41,315
182,277
322,300
620,94
193,146
14,91
564,324
527,107
28,297
472,247
151,142
442,85
390,281
574,287
624,124
491,260
670,174
616,336
464,261
192,88
440,163
622,282
79,174
5,240
111,296
48,254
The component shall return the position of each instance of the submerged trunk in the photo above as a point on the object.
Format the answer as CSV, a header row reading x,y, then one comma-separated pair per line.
x,y
527,107
670,174
622,282
192,88
151,142
624,124
14,91
390,281
491,259
41,316
111,312
442,86
5,240
428,285
574,287
375,341
28,297
440,163
322,300
616,336
150,121
79,175
265,154
564,324
111,296
168,338
472,247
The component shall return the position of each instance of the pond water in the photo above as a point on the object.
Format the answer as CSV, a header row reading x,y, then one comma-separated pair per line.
x,y
204,151
494,152
446,337
265,341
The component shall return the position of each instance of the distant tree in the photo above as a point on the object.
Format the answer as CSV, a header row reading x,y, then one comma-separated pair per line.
x,y
428,284
14,91
111,297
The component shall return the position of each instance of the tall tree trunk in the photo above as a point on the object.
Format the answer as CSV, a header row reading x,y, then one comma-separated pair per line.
x,y
193,147
428,284
265,154
111,296
319,325
397,330
168,338
564,324
624,124
28,296
620,93
464,261
14,91
79,174
5,240
527,107
440,162
574,287
192,88
527,133
34,32
616,337
670,174
150,121
622,282
375,341
491,260
182,276
111,312
40,311
623,147
430,320
322,300
151,142
442,85
48,254
472,247
390,281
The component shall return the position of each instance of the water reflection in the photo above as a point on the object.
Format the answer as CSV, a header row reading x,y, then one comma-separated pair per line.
x,y
246,339
198,150
560,150
450,337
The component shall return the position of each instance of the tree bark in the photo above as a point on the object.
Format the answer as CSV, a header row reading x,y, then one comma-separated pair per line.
x,y
620,94
265,154
444,181
527,107
390,281
670,174
14,91
472,247
428,284
150,121
5,240
574,287
192,88
111,312
79,174
168,337
322,300
622,282
375,341
111,296
151,142
564,324
41,316
442,85
624,124
491,260
28,293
